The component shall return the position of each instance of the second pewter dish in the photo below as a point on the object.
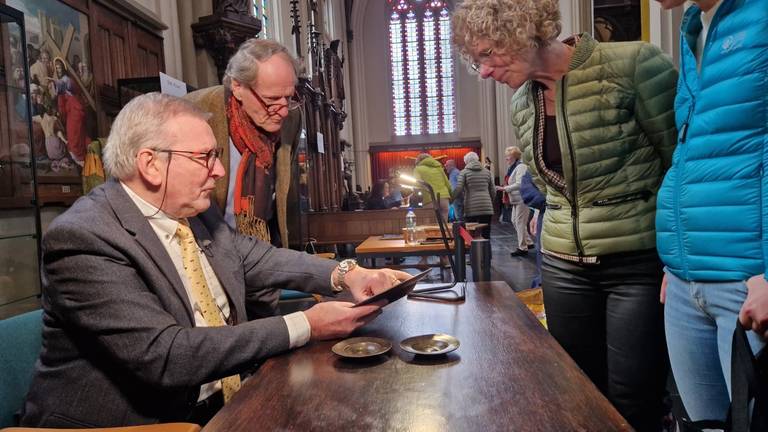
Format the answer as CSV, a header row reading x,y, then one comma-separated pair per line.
x,y
430,344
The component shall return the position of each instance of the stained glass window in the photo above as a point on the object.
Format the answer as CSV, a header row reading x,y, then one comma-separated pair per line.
x,y
421,64
261,12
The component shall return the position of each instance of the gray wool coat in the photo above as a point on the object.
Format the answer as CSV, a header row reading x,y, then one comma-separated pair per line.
x,y
477,184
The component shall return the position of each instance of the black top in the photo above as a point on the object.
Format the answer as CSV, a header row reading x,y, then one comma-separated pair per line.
x,y
375,204
553,159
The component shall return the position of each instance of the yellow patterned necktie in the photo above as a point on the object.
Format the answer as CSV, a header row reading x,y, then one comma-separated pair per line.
x,y
202,294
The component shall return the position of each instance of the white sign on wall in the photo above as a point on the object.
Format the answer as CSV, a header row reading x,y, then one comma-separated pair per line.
x,y
171,86
320,145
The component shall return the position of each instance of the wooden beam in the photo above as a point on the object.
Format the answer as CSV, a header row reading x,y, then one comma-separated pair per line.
x,y
67,44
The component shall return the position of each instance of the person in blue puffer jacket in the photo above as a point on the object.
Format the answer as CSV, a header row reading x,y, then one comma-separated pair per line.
x,y
712,215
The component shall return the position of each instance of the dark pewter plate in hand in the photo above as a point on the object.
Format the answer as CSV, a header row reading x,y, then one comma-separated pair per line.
x,y
359,347
430,344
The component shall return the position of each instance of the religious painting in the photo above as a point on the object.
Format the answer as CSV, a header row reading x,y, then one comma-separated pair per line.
x,y
618,20
61,86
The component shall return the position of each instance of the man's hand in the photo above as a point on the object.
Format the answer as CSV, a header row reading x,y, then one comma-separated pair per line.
x,y
532,226
364,283
754,311
332,320
663,293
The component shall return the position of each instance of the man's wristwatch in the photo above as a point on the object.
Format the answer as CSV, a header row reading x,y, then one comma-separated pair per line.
x,y
342,269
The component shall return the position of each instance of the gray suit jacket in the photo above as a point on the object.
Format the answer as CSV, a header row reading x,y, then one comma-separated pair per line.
x,y
119,342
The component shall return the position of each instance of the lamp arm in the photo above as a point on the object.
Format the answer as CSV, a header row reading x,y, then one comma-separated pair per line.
x,y
436,293
441,224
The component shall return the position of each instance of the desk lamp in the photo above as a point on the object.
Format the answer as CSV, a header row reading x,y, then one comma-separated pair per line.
x,y
440,292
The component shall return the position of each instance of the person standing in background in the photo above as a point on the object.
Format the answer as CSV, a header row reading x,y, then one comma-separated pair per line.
x,y
711,219
256,120
431,171
519,211
475,187
458,201
596,124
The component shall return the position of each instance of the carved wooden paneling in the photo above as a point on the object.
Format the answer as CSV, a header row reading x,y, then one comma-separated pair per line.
x,y
149,53
222,32
111,46
125,49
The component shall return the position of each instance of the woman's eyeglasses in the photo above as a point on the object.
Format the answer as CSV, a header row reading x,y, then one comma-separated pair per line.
x,y
482,58
292,103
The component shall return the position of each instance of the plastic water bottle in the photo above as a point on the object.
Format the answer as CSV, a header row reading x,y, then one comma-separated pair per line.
x,y
410,227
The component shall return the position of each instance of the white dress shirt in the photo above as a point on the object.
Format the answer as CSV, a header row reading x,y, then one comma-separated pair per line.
x,y
706,22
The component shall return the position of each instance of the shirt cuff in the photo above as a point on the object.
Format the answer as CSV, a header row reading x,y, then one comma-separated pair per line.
x,y
299,330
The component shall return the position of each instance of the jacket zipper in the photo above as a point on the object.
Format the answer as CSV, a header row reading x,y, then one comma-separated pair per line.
x,y
681,139
538,141
644,195
678,182
574,193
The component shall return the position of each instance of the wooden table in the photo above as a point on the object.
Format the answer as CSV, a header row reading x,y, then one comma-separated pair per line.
x,y
375,247
508,374
433,231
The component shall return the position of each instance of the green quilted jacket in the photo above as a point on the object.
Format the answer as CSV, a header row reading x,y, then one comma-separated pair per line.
x,y
432,172
616,128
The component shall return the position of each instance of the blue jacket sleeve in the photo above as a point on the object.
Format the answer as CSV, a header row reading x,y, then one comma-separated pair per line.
x,y
530,193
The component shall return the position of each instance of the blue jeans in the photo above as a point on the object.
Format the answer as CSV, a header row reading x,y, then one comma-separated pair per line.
x,y
699,320
458,210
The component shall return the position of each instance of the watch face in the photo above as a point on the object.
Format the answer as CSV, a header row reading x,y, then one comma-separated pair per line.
x,y
347,265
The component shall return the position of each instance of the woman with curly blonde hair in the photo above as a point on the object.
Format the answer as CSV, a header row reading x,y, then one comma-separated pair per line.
x,y
596,125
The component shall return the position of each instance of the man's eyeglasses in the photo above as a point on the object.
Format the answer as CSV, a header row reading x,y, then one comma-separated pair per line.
x,y
292,103
482,58
207,159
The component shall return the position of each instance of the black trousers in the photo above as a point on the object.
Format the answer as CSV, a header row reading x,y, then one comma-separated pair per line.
x,y
607,316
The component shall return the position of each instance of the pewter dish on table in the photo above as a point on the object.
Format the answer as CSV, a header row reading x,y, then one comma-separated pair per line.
x,y
430,344
360,347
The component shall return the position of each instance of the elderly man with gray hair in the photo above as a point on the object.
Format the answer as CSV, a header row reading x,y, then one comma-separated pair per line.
x,y
145,287
256,121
